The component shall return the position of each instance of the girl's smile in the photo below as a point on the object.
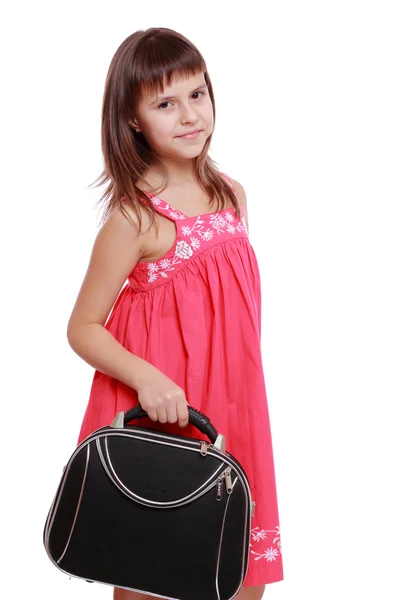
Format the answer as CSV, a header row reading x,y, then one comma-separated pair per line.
x,y
190,136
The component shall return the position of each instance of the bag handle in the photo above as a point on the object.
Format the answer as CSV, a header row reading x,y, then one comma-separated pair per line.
x,y
196,418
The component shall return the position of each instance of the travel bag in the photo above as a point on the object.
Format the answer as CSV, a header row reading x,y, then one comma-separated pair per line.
x,y
162,514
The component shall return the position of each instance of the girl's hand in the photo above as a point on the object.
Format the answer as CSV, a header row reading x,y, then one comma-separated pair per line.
x,y
162,399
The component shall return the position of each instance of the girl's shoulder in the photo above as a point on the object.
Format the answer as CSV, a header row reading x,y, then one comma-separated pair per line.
x,y
241,195
237,187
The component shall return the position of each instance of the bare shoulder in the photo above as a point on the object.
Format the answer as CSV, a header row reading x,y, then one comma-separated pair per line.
x,y
239,190
241,194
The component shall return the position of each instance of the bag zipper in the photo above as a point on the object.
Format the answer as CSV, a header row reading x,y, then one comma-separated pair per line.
x,y
225,477
203,448
102,432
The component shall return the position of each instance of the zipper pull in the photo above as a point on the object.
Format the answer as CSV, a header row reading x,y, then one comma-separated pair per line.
x,y
228,481
203,448
219,488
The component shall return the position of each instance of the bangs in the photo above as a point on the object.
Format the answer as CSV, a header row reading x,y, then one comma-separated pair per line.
x,y
161,59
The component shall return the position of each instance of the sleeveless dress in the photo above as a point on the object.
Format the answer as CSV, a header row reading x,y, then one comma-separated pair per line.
x,y
195,314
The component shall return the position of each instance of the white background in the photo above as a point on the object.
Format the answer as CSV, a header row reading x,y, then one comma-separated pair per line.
x,y
308,121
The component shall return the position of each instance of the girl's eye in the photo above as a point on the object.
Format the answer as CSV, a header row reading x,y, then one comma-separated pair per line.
x,y
167,101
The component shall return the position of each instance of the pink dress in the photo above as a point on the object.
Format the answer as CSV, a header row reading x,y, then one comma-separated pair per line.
x,y
195,314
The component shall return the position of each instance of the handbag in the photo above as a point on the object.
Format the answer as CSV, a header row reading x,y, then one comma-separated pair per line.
x,y
152,512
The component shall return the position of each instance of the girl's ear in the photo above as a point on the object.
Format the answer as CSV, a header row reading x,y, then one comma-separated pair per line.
x,y
134,125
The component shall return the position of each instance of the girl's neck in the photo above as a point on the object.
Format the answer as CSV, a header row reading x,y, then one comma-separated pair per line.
x,y
177,175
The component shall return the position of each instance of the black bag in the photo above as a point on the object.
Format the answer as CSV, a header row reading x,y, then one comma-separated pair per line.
x,y
152,512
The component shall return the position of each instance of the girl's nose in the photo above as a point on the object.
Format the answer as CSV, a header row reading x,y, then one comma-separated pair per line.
x,y
188,113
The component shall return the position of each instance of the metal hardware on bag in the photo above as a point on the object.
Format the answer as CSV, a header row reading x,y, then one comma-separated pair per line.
x,y
228,481
220,443
118,421
219,488
203,448
106,461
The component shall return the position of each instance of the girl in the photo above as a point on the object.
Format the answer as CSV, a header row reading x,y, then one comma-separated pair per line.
x,y
185,328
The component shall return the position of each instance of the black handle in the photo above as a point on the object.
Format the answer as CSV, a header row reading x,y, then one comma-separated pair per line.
x,y
196,418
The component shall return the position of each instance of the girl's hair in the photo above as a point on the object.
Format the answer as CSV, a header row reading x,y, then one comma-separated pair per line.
x,y
145,62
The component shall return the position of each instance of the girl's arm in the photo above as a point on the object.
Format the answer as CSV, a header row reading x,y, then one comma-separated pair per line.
x,y
116,251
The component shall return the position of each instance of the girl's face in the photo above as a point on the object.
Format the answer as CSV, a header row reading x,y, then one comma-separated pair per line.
x,y
183,107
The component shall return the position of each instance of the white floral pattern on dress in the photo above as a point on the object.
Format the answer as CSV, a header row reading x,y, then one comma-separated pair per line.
x,y
202,230
261,535
170,210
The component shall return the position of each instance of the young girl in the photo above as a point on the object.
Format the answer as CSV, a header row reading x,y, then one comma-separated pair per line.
x,y
185,328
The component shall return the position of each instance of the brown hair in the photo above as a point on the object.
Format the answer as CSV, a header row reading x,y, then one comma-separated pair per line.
x,y
143,63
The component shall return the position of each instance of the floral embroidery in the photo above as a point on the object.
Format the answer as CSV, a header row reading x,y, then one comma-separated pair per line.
x,y
204,228
261,535
195,243
165,263
161,205
183,250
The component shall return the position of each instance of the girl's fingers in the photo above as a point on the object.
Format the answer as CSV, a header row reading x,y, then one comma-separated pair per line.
x,y
152,413
162,414
183,414
172,414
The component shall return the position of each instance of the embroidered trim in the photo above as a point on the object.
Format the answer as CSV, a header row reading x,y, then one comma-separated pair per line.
x,y
261,535
201,231
161,205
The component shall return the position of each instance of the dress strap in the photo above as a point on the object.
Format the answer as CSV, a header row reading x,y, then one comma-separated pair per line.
x,y
163,207
160,206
